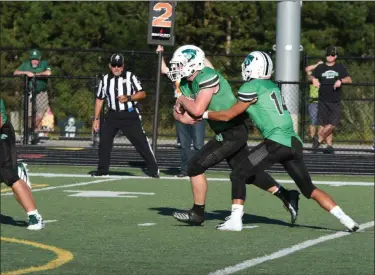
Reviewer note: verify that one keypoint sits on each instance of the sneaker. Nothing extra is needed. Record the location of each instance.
(291, 204)
(23, 173)
(182, 174)
(229, 217)
(188, 216)
(35, 222)
(35, 141)
(232, 223)
(348, 222)
(155, 176)
(152, 172)
(315, 143)
(99, 174)
(329, 150)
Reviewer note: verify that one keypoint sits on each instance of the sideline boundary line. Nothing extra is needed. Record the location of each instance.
(62, 175)
(64, 186)
(286, 251)
(63, 257)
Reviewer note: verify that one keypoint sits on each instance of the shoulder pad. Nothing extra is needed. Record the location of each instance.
(207, 78)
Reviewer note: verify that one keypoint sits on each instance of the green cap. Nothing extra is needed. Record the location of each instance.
(35, 54)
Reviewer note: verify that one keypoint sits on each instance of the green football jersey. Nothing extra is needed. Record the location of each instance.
(269, 113)
(40, 84)
(3, 113)
(222, 100)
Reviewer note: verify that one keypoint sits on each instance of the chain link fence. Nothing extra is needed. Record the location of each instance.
(76, 74)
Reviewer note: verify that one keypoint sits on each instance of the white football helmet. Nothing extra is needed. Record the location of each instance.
(257, 65)
(186, 61)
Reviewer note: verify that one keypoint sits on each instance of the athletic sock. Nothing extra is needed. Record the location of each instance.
(337, 212)
(198, 209)
(278, 188)
(281, 193)
(237, 210)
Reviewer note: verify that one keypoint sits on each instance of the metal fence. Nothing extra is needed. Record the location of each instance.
(71, 93)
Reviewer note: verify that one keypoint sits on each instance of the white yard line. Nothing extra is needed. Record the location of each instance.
(49, 221)
(286, 251)
(54, 175)
(249, 226)
(64, 186)
(146, 224)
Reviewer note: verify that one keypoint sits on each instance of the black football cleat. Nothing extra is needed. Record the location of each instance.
(291, 204)
(188, 216)
(99, 174)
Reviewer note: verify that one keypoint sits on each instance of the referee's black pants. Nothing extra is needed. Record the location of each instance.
(130, 124)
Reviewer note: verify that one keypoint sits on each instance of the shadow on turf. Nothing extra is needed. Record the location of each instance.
(247, 218)
(9, 220)
(115, 173)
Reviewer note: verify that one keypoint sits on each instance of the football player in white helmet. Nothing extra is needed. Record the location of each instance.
(203, 88)
(257, 65)
(261, 100)
(185, 62)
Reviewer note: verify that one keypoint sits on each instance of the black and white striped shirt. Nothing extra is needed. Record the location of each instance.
(110, 87)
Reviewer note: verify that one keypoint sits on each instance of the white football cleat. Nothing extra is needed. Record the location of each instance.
(232, 223)
(351, 225)
(23, 173)
(35, 222)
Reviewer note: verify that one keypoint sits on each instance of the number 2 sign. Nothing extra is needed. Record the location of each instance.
(161, 23)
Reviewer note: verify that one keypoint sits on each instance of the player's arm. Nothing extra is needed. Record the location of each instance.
(198, 106)
(247, 95)
(164, 68)
(229, 114)
(184, 117)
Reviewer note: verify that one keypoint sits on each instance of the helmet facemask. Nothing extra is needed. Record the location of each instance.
(176, 71)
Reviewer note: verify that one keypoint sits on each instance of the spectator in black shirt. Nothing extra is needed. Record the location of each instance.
(329, 77)
(122, 90)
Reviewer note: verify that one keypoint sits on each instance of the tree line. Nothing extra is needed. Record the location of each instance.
(122, 26)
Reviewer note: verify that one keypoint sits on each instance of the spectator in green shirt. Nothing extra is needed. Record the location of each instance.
(33, 68)
(313, 103)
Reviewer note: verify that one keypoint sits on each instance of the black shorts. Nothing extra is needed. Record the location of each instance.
(222, 147)
(329, 113)
(269, 152)
(8, 155)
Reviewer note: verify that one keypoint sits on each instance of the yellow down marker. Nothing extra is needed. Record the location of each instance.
(63, 256)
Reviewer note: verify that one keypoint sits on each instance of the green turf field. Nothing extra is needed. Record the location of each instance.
(124, 226)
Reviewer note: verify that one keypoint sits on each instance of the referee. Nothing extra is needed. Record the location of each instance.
(122, 90)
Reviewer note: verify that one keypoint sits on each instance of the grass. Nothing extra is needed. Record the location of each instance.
(105, 237)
